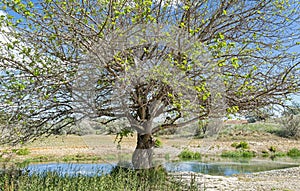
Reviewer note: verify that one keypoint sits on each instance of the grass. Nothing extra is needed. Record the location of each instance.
(158, 143)
(21, 151)
(120, 179)
(189, 155)
(238, 154)
(294, 152)
(241, 145)
(258, 127)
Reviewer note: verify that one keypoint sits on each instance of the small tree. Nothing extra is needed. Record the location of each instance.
(157, 64)
(291, 120)
(292, 109)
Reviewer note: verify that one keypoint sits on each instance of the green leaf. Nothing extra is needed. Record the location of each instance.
(221, 36)
(234, 62)
(30, 4)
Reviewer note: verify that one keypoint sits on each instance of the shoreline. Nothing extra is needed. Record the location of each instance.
(276, 180)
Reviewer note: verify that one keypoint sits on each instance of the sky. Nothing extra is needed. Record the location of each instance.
(296, 98)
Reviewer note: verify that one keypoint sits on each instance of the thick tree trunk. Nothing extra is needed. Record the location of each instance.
(143, 154)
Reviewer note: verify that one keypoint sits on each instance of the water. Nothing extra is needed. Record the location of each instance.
(218, 168)
(226, 168)
(71, 169)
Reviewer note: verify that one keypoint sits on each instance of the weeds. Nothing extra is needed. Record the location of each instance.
(238, 154)
(158, 143)
(294, 152)
(241, 145)
(22, 151)
(119, 180)
(189, 155)
(241, 151)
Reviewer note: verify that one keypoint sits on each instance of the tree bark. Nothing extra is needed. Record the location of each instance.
(143, 154)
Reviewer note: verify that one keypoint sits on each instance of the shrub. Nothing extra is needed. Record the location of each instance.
(241, 145)
(294, 152)
(187, 154)
(273, 153)
(201, 129)
(265, 154)
(279, 154)
(158, 143)
(273, 149)
(291, 126)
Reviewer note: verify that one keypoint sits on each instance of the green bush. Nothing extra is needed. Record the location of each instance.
(273, 149)
(187, 154)
(158, 143)
(265, 154)
(241, 145)
(294, 152)
(279, 154)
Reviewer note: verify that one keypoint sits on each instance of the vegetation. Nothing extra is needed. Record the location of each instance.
(238, 154)
(189, 155)
(294, 152)
(158, 143)
(272, 149)
(290, 126)
(241, 152)
(241, 145)
(119, 180)
(21, 151)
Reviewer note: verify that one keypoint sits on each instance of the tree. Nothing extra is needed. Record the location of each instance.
(158, 64)
(292, 109)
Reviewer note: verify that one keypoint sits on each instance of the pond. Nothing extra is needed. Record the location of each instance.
(227, 168)
(211, 168)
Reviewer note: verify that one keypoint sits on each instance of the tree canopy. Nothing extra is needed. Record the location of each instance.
(158, 64)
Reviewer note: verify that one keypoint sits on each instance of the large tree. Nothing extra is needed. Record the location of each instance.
(158, 64)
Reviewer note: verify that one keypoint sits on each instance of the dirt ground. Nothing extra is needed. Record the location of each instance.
(106, 146)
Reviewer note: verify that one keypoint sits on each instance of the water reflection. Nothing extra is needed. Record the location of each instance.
(70, 169)
(217, 168)
(225, 169)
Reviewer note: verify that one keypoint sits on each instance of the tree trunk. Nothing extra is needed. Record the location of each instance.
(143, 154)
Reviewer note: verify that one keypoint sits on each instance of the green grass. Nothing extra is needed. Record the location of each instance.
(258, 127)
(158, 143)
(241, 145)
(252, 127)
(294, 152)
(21, 151)
(189, 155)
(238, 154)
(119, 180)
